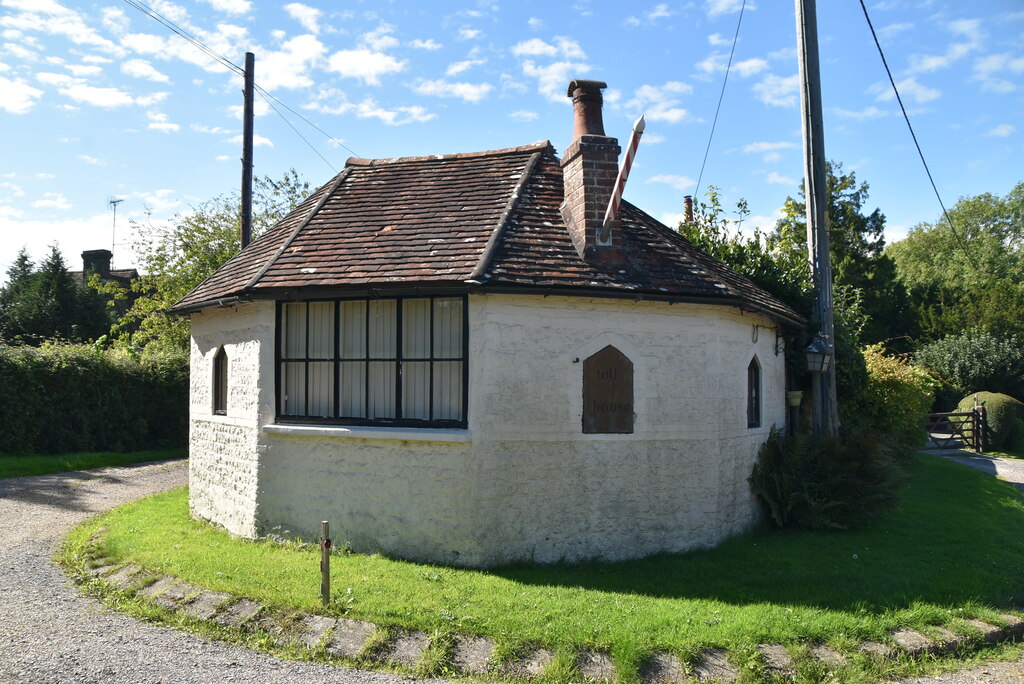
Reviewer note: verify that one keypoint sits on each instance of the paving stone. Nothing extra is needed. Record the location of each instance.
(126, 577)
(1014, 625)
(530, 665)
(156, 588)
(349, 638)
(912, 642)
(596, 666)
(947, 641)
(713, 666)
(238, 613)
(829, 656)
(472, 655)
(876, 650)
(989, 634)
(101, 568)
(176, 594)
(205, 606)
(662, 668)
(407, 648)
(777, 659)
(312, 629)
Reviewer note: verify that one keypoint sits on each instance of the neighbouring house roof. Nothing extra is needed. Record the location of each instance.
(489, 220)
(124, 276)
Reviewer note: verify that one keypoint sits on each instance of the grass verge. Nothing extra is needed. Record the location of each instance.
(951, 549)
(20, 465)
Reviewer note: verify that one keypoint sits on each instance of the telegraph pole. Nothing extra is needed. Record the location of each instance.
(247, 126)
(823, 391)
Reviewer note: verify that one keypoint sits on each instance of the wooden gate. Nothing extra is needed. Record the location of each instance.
(963, 429)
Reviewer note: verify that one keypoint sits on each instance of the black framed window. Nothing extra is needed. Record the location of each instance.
(754, 394)
(374, 361)
(220, 382)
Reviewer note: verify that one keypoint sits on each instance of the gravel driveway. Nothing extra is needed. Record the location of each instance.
(50, 633)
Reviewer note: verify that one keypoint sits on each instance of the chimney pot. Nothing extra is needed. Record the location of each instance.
(586, 104)
(688, 208)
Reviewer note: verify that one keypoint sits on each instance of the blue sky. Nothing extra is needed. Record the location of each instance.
(98, 100)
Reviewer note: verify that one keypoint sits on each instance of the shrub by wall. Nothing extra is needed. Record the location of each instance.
(1004, 415)
(62, 398)
(896, 400)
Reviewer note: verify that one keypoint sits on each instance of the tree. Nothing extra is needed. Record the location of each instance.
(856, 246)
(177, 256)
(45, 304)
(970, 274)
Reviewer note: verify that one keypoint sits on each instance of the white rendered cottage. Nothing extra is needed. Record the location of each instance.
(434, 354)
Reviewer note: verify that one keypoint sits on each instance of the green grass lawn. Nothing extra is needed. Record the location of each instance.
(18, 465)
(952, 548)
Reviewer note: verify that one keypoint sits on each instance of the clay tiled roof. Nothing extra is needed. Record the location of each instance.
(490, 218)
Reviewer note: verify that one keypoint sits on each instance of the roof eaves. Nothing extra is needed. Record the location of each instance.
(302, 224)
(499, 230)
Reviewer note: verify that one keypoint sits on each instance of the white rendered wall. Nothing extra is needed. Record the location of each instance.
(224, 450)
(524, 482)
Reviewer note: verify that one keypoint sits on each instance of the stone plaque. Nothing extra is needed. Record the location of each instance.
(608, 393)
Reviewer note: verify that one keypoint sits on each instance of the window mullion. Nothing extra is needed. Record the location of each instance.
(399, 332)
(305, 364)
(430, 386)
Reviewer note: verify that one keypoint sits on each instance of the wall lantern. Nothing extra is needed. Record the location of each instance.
(819, 355)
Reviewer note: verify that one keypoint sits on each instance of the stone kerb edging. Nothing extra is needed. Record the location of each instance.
(366, 644)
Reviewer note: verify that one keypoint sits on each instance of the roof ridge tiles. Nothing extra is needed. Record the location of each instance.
(532, 147)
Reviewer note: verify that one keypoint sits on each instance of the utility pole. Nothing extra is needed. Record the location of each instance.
(823, 394)
(247, 125)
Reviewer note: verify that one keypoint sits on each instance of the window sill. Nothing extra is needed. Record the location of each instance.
(368, 432)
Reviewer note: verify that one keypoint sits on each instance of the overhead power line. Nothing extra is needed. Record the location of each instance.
(721, 95)
(920, 153)
(227, 63)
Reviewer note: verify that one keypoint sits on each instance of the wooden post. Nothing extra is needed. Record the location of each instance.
(247, 135)
(325, 562)
(826, 417)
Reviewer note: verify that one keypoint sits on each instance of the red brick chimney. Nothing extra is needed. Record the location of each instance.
(589, 168)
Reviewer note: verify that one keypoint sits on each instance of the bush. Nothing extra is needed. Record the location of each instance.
(1003, 413)
(896, 401)
(832, 483)
(63, 398)
(975, 361)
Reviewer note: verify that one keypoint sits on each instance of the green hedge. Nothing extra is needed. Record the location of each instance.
(1004, 415)
(62, 398)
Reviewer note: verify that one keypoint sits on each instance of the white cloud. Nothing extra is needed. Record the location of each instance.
(456, 68)
(215, 130)
(259, 108)
(776, 178)
(43, 175)
(718, 40)
(469, 34)
(308, 17)
(140, 68)
(660, 11)
(970, 29)
(366, 65)
(681, 183)
(151, 99)
(909, 88)
(17, 96)
(257, 141)
(162, 201)
(115, 20)
(50, 18)
(658, 103)
(84, 70)
(770, 151)
(289, 67)
(429, 44)
(13, 189)
(778, 91)
(470, 92)
(894, 29)
(535, 47)
(719, 62)
(524, 115)
(991, 71)
(91, 160)
(1001, 131)
(552, 79)
(52, 200)
(380, 38)
(652, 139)
(535, 23)
(399, 116)
(717, 7)
(158, 122)
(230, 6)
(109, 98)
(867, 113)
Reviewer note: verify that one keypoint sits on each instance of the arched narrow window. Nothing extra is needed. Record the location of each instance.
(220, 383)
(754, 394)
